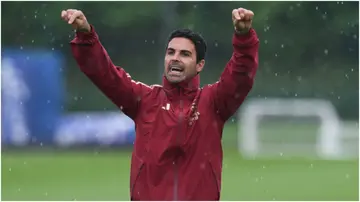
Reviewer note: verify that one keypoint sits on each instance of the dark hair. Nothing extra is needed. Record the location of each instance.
(196, 38)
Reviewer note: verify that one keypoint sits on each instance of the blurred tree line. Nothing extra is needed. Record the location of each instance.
(307, 49)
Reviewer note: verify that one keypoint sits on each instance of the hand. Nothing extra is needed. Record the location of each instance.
(242, 20)
(77, 19)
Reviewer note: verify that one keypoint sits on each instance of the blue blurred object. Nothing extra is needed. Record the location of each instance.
(95, 128)
(32, 105)
(32, 95)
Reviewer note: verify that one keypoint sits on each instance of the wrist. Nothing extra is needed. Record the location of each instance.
(84, 29)
(241, 31)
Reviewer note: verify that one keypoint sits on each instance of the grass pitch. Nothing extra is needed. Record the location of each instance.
(104, 175)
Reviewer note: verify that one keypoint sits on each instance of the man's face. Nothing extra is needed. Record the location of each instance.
(180, 60)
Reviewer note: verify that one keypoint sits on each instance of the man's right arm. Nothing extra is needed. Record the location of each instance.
(113, 81)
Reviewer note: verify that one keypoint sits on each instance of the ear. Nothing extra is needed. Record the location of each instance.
(200, 65)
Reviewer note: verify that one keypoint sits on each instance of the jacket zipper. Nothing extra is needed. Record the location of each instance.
(176, 177)
(137, 176)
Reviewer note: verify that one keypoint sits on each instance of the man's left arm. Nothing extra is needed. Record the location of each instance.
(237, 79)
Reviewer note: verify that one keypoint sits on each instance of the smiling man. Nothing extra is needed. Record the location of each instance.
(177, 153)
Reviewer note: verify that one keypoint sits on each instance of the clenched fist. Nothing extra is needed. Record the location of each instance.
(242, 19)
(77, 19)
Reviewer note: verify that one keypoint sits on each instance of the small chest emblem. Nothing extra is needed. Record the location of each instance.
(167, 107)
(194, 114)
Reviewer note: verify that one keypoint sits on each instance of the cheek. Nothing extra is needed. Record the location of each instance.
(166, 62)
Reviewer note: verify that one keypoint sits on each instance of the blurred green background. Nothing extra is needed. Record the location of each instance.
(307, 50)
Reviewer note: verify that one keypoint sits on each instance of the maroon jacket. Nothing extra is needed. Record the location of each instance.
(177, 153)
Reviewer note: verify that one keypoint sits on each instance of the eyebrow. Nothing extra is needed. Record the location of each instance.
(183, 51)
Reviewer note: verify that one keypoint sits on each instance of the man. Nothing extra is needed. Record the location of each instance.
(177, 153)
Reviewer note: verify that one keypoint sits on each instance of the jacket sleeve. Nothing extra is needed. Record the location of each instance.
(112, 80)
(237, 79)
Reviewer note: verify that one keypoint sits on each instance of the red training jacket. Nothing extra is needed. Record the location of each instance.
(177, 153)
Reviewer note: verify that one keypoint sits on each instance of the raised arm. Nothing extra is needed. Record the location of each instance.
(237, 79)
(96, 64)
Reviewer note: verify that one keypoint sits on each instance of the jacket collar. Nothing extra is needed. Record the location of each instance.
(186, 89)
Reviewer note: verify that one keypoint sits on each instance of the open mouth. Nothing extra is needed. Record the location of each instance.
(175, 69)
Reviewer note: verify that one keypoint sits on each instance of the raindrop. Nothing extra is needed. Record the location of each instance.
(27, 58)
(352, 70)
(61, 45)
(44, 27)
(299, 78)
(45, 15)
(347, 76)
(291, 8)
(296, 94)
(41, 144)
(355, 36)
(25, 163)
(121, 108)
(233, 120)
(9, 169)
(276, 74)
(265, 41)
(338, 97)
(145, 41)
(263, 167)
(19, 189)
(317, 8)
(53, 49)
(21, 47)
(45, 193)
(35, 16)
(48, 101)
(153, 41)
(281, 154)
(195, 6)
(282, 46)
(32, 41)
(326, 51)
(256, 179)
(76, 98)
(216, 44)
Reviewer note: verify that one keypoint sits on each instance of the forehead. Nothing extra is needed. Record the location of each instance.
(181, 44)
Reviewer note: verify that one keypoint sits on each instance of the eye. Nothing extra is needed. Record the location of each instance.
(185, 54)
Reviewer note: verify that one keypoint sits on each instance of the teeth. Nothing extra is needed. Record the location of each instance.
(175, 69)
